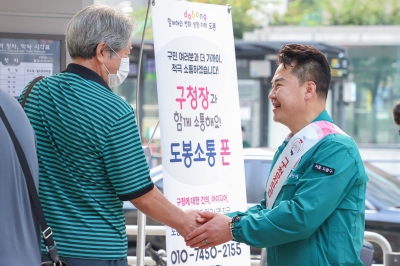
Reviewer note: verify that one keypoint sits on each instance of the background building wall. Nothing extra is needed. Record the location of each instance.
(39, 16)
(374, 62)
(334, 35)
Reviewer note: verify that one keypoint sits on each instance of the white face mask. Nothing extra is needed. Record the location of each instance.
(116, 79)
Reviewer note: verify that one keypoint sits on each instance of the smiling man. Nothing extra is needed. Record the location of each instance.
(313, 207)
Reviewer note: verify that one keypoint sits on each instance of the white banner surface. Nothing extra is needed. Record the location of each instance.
(200, 121)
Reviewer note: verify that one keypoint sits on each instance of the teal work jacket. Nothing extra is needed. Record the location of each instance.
(317, 218)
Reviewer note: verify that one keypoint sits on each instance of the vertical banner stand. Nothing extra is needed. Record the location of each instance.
(198, 104)
(141, 220)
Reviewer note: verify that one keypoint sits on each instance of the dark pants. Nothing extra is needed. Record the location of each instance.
(88, 262)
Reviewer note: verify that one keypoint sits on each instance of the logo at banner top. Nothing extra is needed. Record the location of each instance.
(195, 15)
(297, 146)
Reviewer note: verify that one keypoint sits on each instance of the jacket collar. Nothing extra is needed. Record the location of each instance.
(324, 116)
(86, 73)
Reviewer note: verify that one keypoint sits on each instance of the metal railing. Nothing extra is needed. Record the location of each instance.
(160, 230)
(155, 231)
(381, 241)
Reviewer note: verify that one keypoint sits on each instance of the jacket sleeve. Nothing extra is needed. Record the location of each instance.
(251, 211)
(315, 198)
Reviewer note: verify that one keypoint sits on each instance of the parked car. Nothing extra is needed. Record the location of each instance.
(382, 201)
(382, 209)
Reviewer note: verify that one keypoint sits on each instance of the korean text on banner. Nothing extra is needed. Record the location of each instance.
(200, 121)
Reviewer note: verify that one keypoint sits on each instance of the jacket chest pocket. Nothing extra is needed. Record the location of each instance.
(289, 187)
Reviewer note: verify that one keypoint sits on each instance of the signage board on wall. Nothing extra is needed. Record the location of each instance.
(24, 57)
(200, 121)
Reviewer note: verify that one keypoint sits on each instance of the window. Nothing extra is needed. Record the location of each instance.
(256, 172)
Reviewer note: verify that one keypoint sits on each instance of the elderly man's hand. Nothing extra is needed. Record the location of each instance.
(214, 232)
(190, 222)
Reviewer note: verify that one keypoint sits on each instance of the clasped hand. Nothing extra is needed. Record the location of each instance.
(211, 229)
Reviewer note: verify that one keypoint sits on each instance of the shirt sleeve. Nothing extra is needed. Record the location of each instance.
(125, 161)
(316, 197)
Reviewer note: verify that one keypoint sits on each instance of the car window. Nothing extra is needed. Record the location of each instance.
(383, 190)
(256, 172)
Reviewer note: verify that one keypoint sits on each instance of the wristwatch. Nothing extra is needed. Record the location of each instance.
(236, 219)
(232, 222)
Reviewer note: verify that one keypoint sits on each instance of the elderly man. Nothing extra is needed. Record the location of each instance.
(313, 209)
(89, 150)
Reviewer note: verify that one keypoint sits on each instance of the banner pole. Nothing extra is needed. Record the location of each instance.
(141, 221)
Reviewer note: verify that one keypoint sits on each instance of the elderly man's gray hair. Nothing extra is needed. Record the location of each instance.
(95, 24)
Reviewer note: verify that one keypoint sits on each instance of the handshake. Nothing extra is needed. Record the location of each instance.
(204, 229)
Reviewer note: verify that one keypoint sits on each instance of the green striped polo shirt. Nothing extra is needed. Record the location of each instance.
(90, 160)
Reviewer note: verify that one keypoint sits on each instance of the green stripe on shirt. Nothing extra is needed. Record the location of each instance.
(89, 155)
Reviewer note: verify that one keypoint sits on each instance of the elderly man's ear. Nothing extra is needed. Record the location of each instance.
(100, 54)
